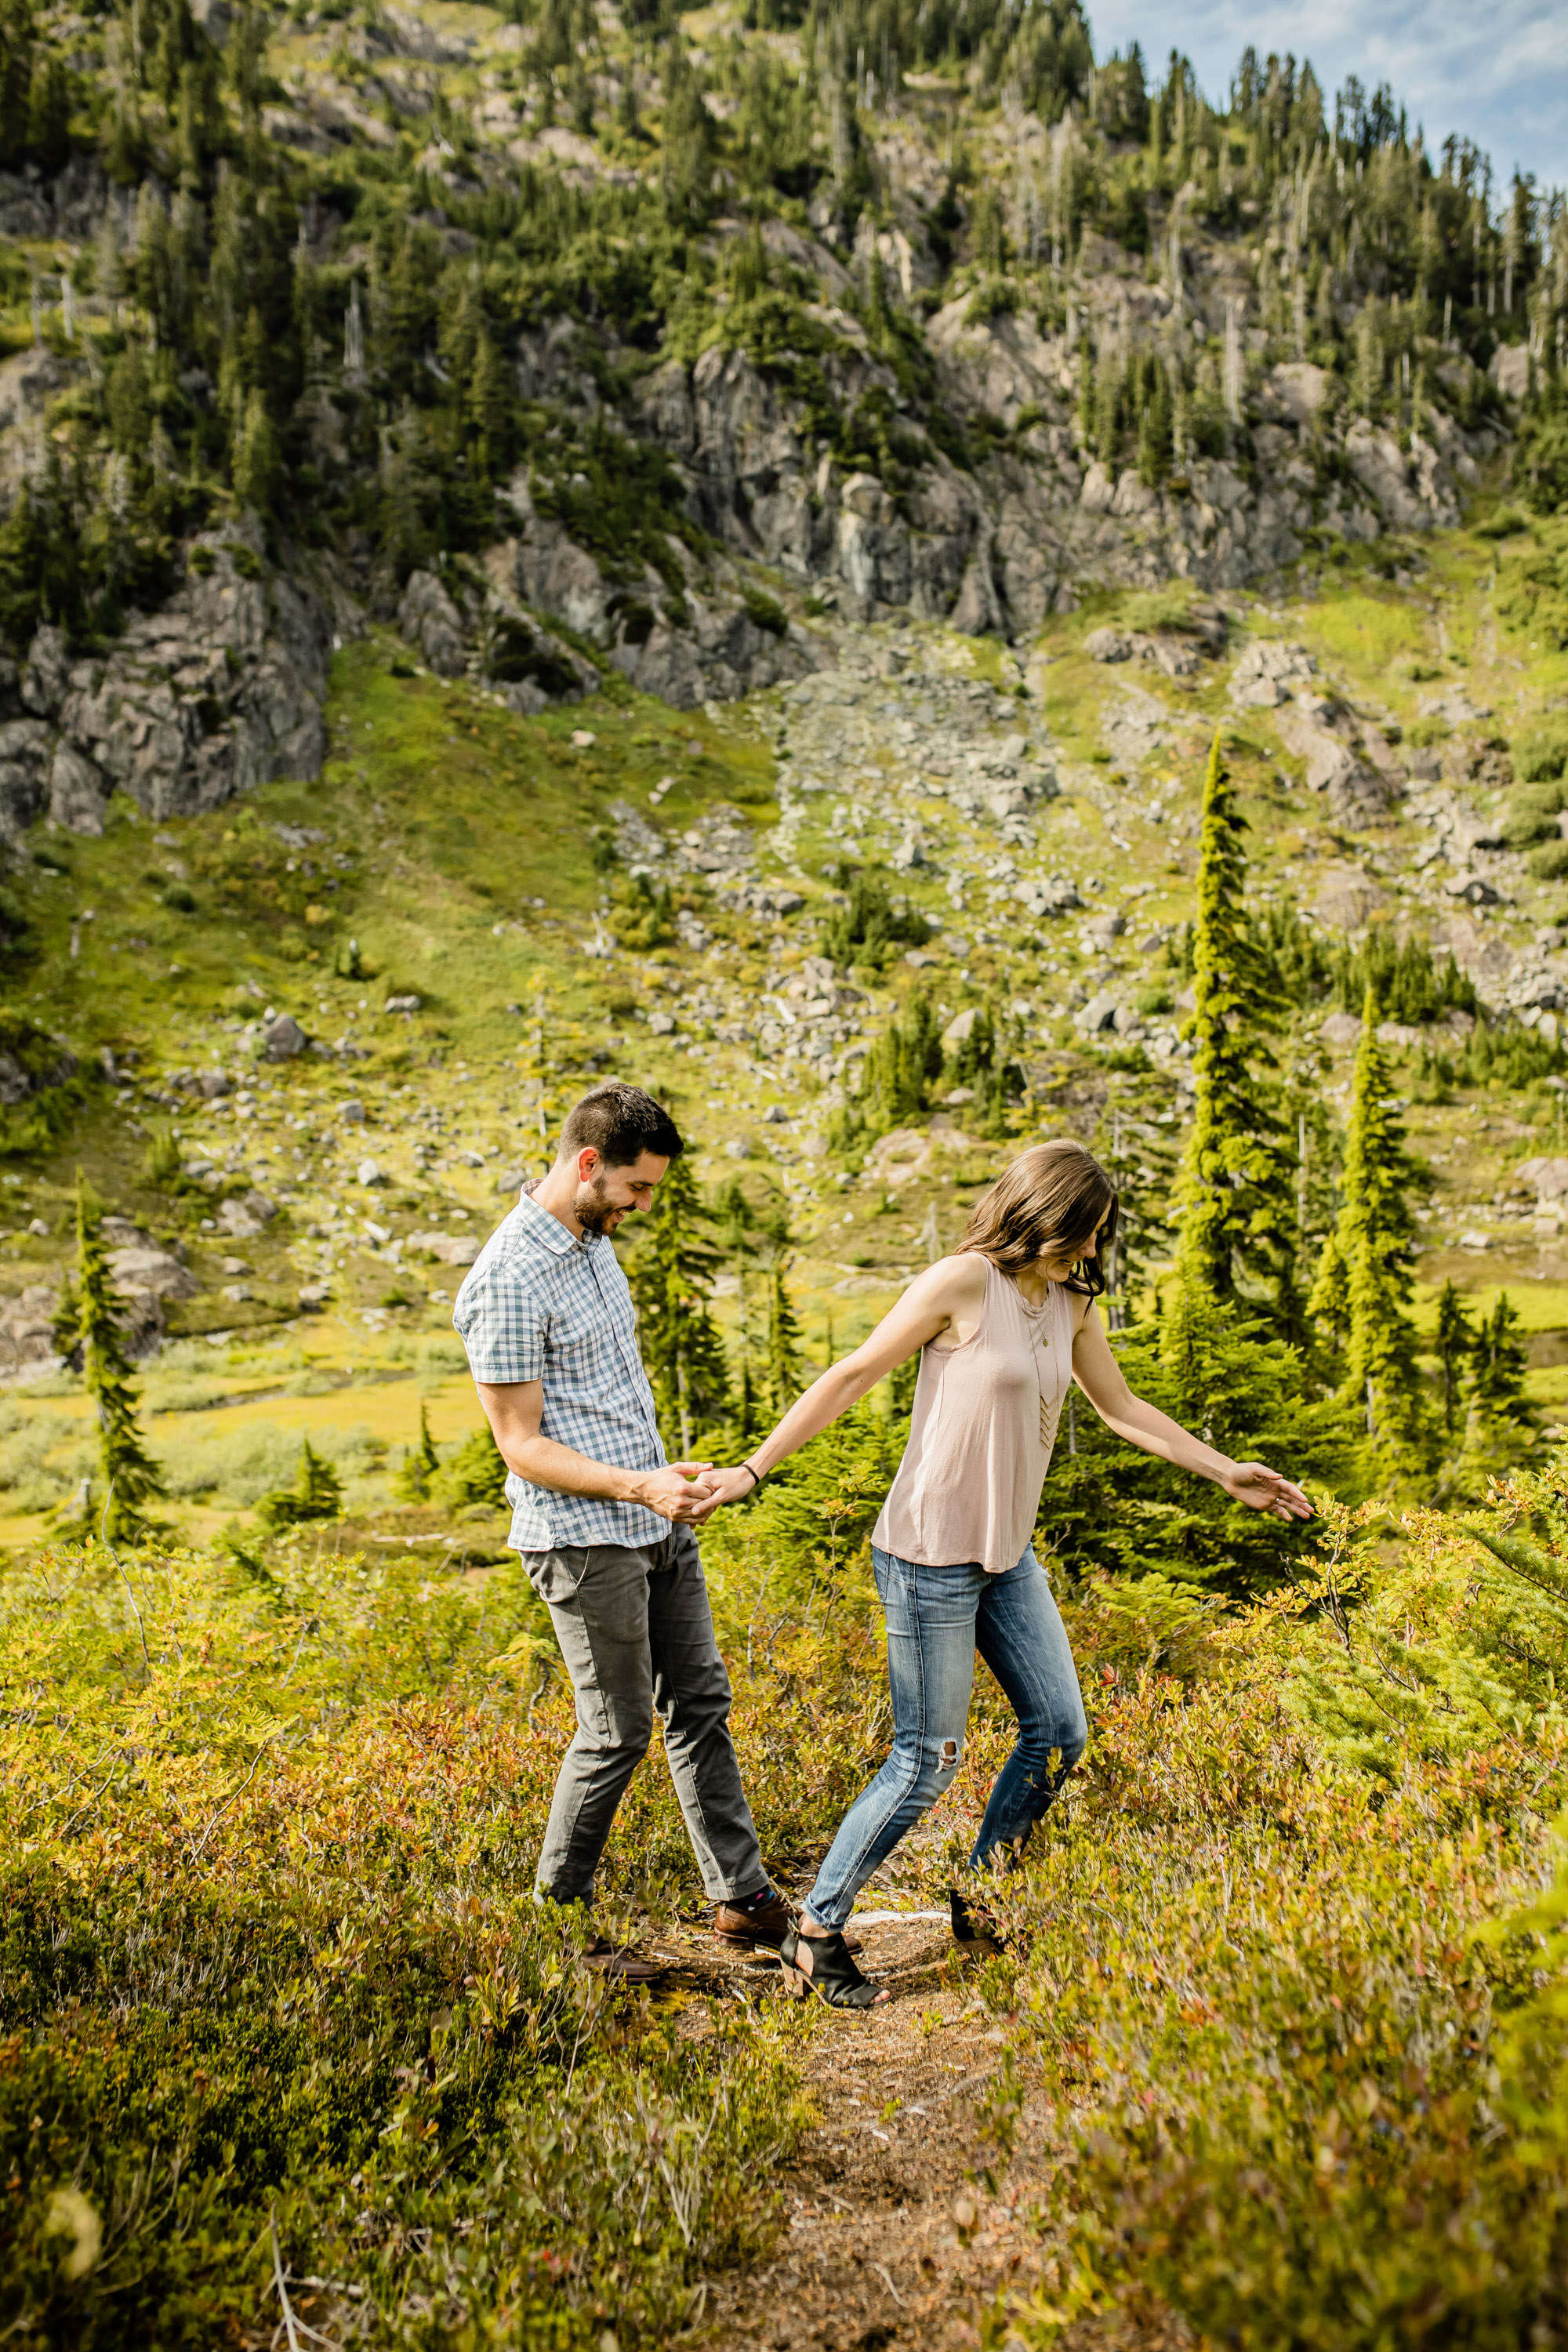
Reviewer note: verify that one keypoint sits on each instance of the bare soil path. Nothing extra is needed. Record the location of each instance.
(891, 2242)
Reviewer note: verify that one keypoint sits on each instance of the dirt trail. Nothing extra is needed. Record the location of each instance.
(888, 2244)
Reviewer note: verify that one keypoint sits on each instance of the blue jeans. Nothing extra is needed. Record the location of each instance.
(937, 1618)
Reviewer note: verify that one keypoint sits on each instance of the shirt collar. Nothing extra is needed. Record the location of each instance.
(548, 1229)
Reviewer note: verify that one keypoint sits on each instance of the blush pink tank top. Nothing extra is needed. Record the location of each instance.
(980, 1434)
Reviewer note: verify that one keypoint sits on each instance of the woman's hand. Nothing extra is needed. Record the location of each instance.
(730, 1485)
(1262, 1489)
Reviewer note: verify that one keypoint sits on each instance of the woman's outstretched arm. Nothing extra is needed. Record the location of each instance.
(949, 1296)
(1100, 1378)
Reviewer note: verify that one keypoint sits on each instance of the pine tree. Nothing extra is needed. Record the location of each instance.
(256, 456)
(131, 1477)
(317, 1494)
(490, 407)
(1237, 1206)
(1329, 1301)
(672, 1280)
(783, 1341)
(1500, 1363)
(1455, 1340)
(1214, 1368)
(65, 1327)
(418, 1467)
(904, 1062)
(1375, 1236)
(737, 1224)
(476, 1473)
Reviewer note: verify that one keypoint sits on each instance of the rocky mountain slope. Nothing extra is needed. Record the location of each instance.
(317, 319)
(353, 1009)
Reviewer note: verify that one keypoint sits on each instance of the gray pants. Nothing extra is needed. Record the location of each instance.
(636, 1633)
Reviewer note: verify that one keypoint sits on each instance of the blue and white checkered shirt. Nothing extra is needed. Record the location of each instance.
(537, 1305)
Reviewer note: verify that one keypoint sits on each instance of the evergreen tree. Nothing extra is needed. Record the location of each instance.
(1328, 1300)
(317, 1494)
(1501, 1362)
(672, 1280)
(903, 1063)
(65, 1329)
(783, 1363)
(1237, 1206)
(131, 1477)
(476, 1473)
(490, 407)
(256, 456)
(418, 1467)
(1456, 1344)
(982, 1063)
(736, 1224)
(1374, 1237)
(1213, 1368)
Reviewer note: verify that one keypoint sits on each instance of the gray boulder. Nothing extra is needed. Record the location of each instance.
(427, 617)
(78, 793)
(45, 673)
(25, 745)
(283, 1038)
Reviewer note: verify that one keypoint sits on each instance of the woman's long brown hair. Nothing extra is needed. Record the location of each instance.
(1053, 1201)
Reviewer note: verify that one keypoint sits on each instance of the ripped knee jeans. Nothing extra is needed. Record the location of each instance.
(937, 1618)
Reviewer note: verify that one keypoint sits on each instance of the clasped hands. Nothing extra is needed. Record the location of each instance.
(687, 1493)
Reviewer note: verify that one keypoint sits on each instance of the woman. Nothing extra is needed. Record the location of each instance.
(1002, 1328)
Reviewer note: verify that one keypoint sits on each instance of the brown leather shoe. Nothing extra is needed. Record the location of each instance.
(764, 1923)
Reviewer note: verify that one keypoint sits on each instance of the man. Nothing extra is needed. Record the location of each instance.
(605, 1525)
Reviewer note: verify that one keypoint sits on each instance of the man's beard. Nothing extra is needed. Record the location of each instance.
(596, 1213)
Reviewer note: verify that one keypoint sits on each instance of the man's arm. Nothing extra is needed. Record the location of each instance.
(514, 1412)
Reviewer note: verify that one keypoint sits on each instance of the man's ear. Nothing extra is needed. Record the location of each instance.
(588, 1164)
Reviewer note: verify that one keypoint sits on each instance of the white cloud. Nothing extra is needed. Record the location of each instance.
(1497, 75)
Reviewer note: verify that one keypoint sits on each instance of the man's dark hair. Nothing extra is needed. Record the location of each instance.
(620, 1123)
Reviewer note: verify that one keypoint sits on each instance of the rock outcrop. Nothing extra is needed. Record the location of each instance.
(222, 690)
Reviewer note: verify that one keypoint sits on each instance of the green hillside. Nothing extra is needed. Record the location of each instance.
(480, 870)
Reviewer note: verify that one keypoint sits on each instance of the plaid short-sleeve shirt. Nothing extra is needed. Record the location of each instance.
(537, 1305)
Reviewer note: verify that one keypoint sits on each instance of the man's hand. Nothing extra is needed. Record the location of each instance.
(1262, 1489)
(680, 1492)
(731, 1486)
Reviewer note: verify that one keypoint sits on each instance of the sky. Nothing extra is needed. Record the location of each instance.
(1497, 73)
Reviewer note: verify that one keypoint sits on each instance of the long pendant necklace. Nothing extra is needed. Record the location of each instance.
(1033, 1316)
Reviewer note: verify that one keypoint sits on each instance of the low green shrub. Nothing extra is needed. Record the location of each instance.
(474, 1474)
(765, 611)
(1542, 756)
(1293, 1999)
(270, 1961)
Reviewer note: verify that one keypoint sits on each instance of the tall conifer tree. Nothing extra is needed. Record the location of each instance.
(412, 1477)
(131, 1477)
(1328, 1300)
(1455, 1341)
(784, 1342)
(672, 1278)
(1502, 1360)
(1237, 1207)
(1375, 1236)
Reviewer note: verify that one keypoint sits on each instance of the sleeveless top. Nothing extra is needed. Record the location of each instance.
(980, 1434)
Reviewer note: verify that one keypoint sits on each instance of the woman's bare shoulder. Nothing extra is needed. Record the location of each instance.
(958, 1280)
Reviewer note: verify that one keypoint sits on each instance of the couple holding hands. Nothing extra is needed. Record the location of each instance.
(606, 1527)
